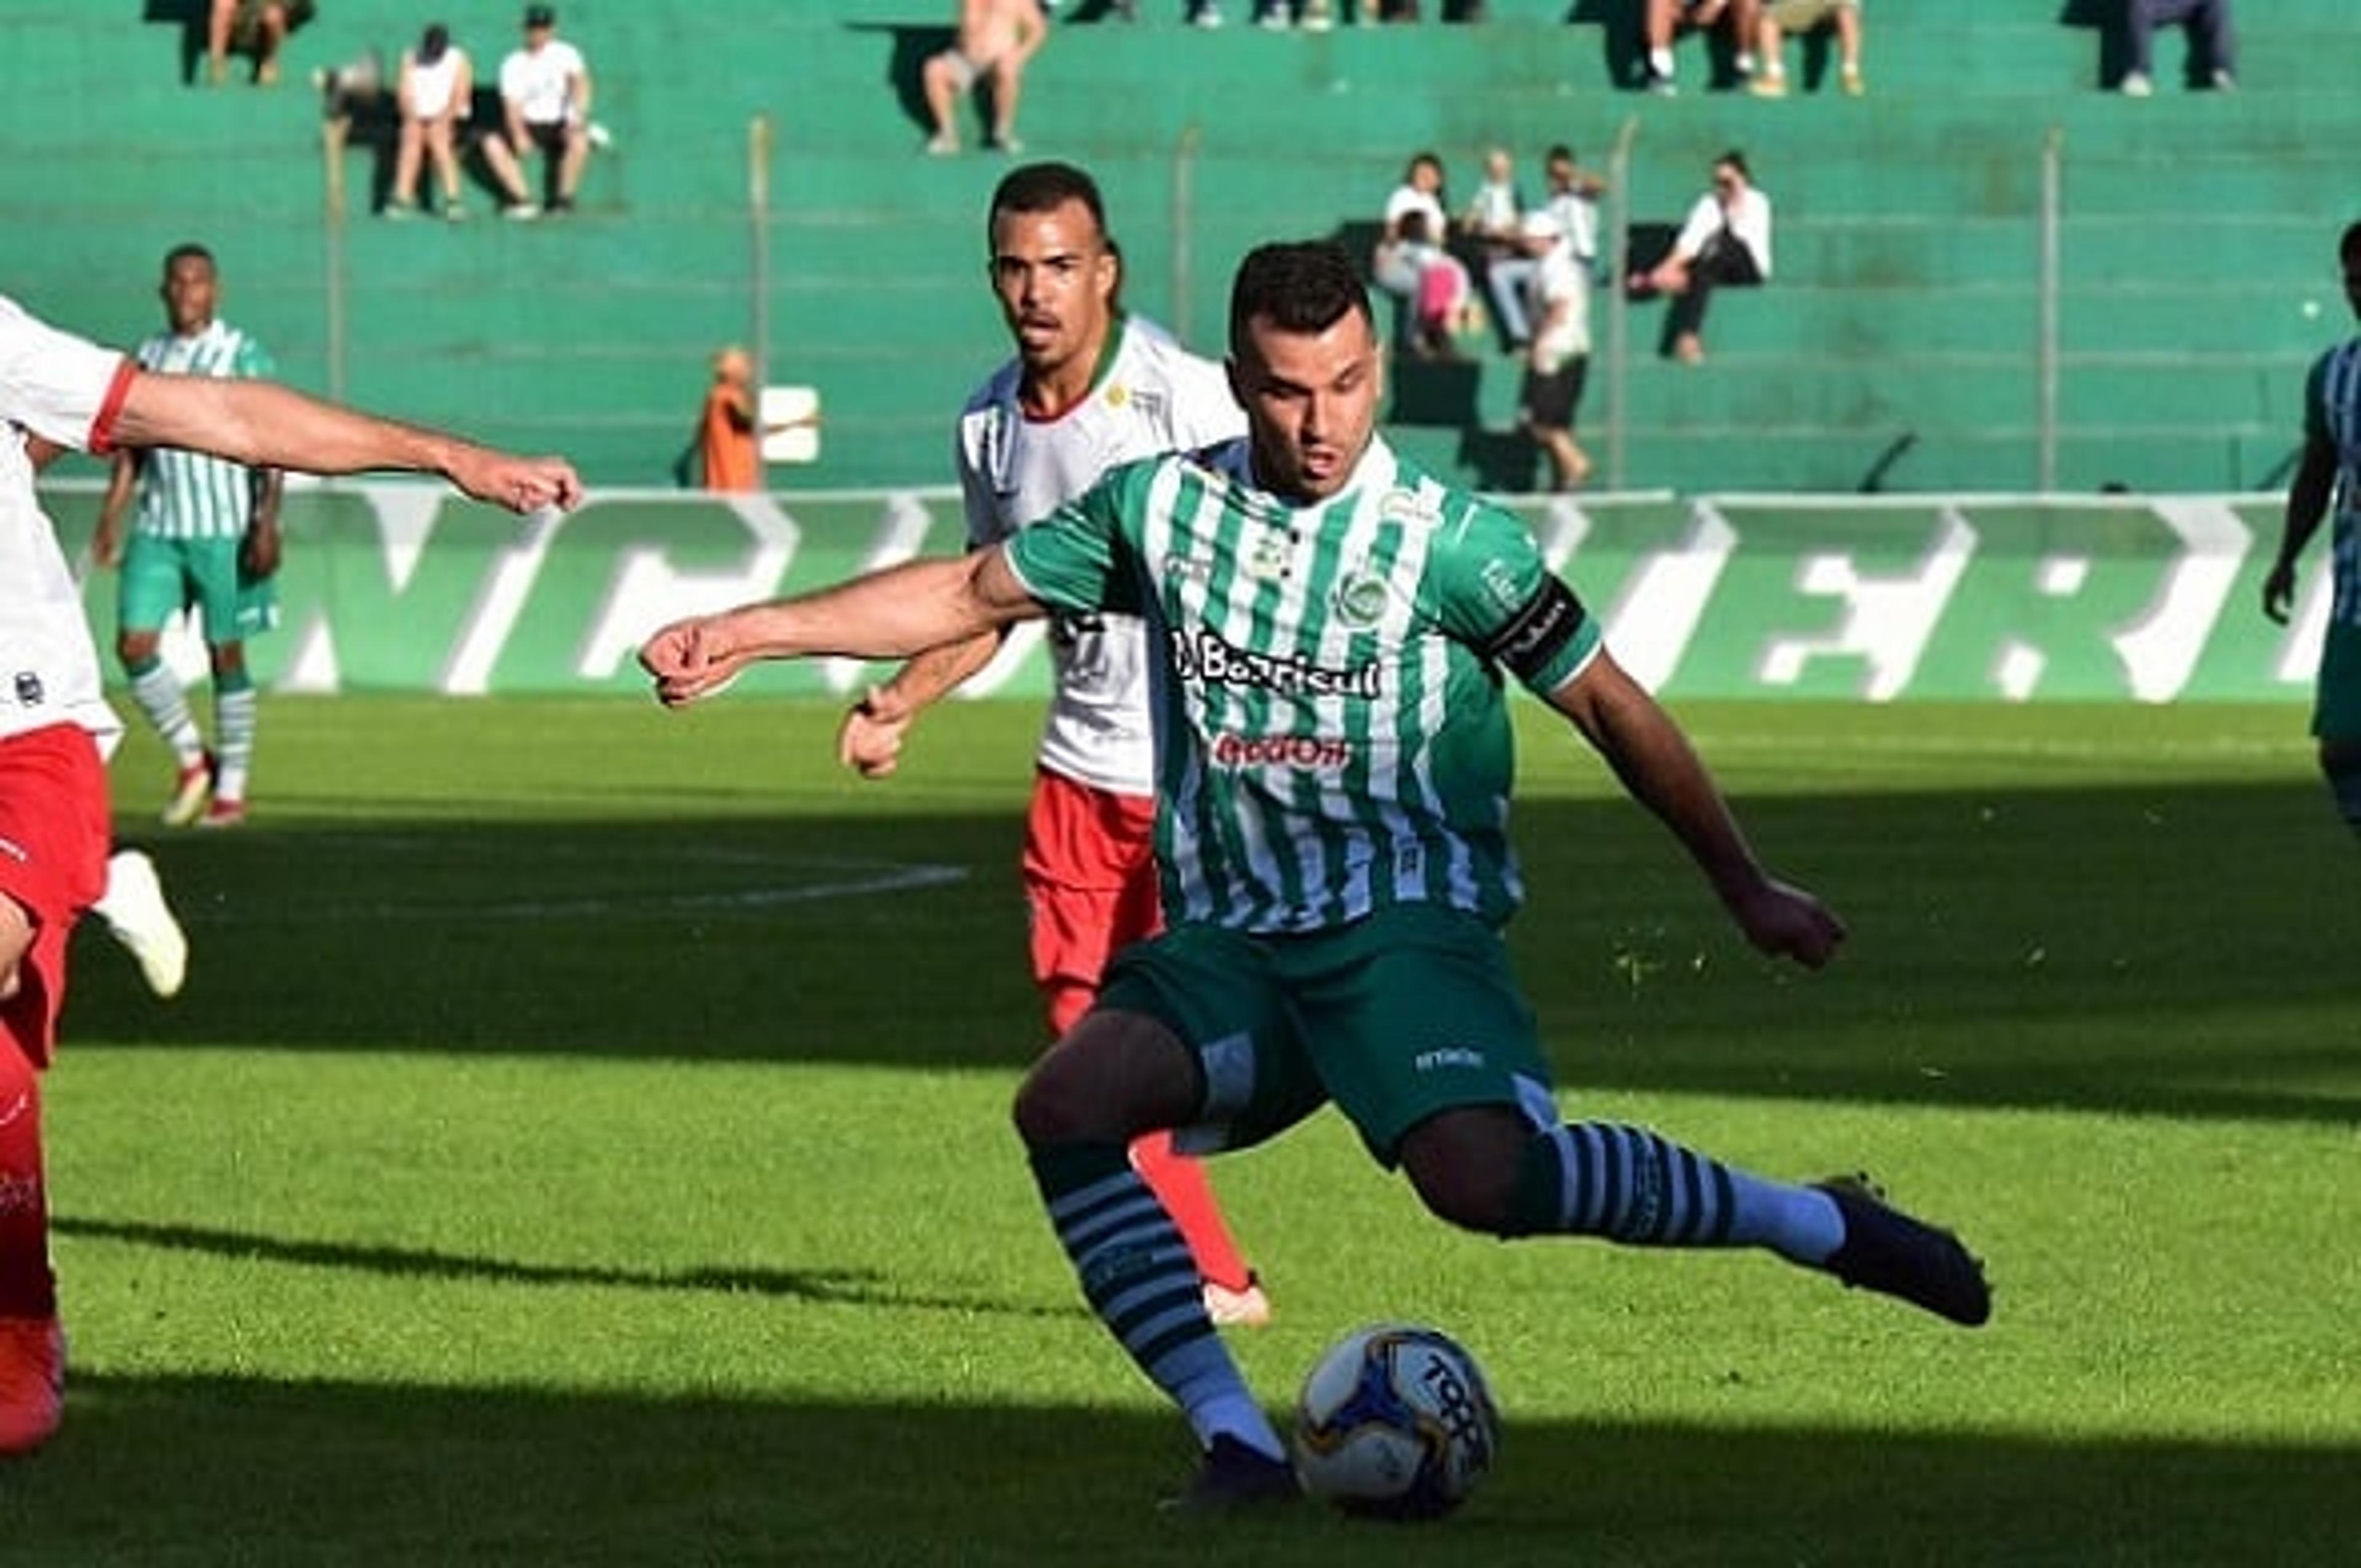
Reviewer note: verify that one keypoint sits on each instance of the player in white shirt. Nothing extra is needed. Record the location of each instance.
(545, 103)
(57, 391)
(1089, 388)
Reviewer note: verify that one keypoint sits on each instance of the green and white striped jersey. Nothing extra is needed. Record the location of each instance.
(189, 495)
(2332, 413)
(1332, 735)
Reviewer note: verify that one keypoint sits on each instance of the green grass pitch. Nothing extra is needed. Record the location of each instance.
(584, 1140)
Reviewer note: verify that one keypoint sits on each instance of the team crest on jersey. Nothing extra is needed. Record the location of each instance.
(1360, 599)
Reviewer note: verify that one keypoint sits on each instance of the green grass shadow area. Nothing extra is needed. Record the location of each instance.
(203, 1470)
(2152, 947)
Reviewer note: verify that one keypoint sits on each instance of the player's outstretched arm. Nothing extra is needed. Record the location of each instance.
(893, 614)
(1662, 771)
(869, 741)
(263, 423)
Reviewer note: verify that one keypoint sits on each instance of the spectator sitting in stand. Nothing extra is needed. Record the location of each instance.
(2212, 41)
(1662, 20)
(545, 103)
(1780, 18)
(1392, 267)
(1725, 243)
(255, 29)
(1492, 221)
(996, 38)
(434, 88)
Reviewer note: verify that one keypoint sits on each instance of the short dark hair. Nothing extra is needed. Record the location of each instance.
(1042, 188)
(192, 251)
(1737, 160)
(2348, 250)
(1559, 152)
(1305, 286)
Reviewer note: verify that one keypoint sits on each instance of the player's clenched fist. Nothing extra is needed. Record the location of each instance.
(689, 659)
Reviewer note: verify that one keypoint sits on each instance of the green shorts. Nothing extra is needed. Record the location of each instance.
(1396, 1017)
(160, 575)
(2336, 704)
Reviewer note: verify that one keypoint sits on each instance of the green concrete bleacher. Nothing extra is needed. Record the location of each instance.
(1899, 342)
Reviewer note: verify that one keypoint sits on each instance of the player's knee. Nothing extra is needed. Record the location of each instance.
(1464, 1166)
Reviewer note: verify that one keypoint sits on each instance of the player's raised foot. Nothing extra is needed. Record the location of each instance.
(135, 914)
(32, 1383)
(1234, 1475)
(1245, 1307)
(189, 790)
(224, 813)
(1886, 1251)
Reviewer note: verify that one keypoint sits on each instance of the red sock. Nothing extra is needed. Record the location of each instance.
(27, 1289)
(1180, 1183)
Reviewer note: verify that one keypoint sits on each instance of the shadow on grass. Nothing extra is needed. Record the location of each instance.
(862, 1287)
(2181, 950)
(224, 1470)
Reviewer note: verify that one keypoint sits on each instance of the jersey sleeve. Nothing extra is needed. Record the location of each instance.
(1493, 591)
(1080, 557)
(975, 486)
(62, 387)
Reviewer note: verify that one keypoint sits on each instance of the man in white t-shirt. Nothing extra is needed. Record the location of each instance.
(1089, 389)
(545, 103)
(57, 391)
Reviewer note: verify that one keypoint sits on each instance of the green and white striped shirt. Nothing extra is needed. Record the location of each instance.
(1332, 735)
(2332, 413)
(189, 495)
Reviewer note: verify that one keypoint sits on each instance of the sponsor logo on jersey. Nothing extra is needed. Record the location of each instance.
(1270, 554)
(1205, 655)
(1313, 754)
(30, 690)
(1406, 506)
(1443, 1058)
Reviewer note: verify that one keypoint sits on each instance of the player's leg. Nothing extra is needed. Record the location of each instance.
(443, 152)
(218, 28)
(1427, 1044)
(53, 808)
(151, 587)
(2139, 48)
(236, 717)
(1131, 1067)
(235, 607)
(1090, 890)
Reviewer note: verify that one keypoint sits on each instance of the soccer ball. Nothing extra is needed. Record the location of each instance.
(1394, 1422)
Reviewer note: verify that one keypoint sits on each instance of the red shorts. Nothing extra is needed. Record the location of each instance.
(54, 838)
(1090, 878)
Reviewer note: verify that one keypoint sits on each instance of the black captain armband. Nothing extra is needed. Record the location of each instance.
(1538, 633)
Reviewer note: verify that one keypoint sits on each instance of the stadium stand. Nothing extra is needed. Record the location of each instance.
(1898, 346)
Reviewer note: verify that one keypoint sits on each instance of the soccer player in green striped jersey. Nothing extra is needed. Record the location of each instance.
(204, 538)
(2331, 471)
(1333, 752)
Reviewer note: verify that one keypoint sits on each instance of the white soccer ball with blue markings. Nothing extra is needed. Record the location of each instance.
(1395, 1421)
